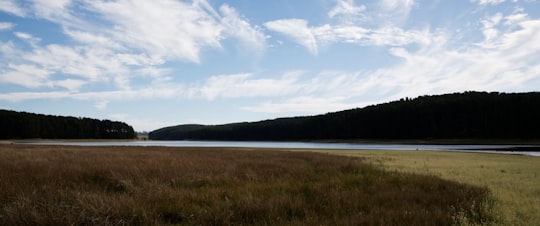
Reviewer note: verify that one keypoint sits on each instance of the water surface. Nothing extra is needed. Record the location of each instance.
(531, 150)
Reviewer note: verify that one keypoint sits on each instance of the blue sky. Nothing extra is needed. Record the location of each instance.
(167, 62)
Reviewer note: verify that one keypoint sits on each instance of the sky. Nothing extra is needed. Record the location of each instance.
(157, 63)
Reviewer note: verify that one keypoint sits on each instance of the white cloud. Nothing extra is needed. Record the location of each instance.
(244, 86)
(68, 67)
(489, 2)
(174, 29)
(515, 18)
(8, 51)
(437, 67)
(490, 30)
(312, 37)
(393, 12)
(101, 105)
(70, 84)
(93, 39)
(160, 91)
(395, 36)
(506, 65)
(91, 64)
(298, 30)
(23, 35)
(235, 26)
(119, 116)
(6, 26)
(23, 96)
(66, 13)
(136, 94)
(11, 6)
(220, 86)
(117, 41)
(390, 5)
(348, 10)
(28, 37)
(306, 104)
(51, 8)
(521, 45)
(348, 34)
(159, 74)
(509, 63)
(353, 29)
(171, 29)
(25, 75)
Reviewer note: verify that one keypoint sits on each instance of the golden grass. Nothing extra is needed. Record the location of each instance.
(63, 185)
(513, 179)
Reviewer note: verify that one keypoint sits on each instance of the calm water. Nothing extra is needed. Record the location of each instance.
(315, 145)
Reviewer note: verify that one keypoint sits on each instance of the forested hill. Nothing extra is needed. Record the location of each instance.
(22, 125)
(469, 115)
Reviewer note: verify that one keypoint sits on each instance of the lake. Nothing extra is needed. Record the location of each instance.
(530, 150)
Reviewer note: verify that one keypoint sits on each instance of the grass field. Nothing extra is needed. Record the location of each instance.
(514, 180)
(64, 185)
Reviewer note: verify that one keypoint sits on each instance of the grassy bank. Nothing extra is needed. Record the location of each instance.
(514, 180)
(62, 185)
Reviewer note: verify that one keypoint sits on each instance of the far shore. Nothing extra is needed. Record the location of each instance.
(514, 147)
(437, 141)
(39, 140)
(353, 141)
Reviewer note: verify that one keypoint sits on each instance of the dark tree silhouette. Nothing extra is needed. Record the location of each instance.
(468, 115)
(21, 125)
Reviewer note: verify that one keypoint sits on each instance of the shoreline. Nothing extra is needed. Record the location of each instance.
(505, 149)
(531, 142)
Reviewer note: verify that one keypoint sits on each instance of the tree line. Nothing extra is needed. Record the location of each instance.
(468, 115)
(23, 125)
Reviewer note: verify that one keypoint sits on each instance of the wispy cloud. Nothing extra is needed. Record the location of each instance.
(505, 60)
(93, 39)
(298, 30)
(393, 12)
(171, 29)
(313, 37)
(175, 29)
(101, 104)
(508, 63)
(121, 41)
(11, 6)
(30, 39)
(244, 86)
(488, 2)
(25, 75)
(23, 96)
(352, 29)
(52, 10)
(6, 26)
(304, 104)
(251, 37)
(347, 11)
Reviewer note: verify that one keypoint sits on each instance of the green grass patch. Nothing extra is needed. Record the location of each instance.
(63, 185)
(514, 180)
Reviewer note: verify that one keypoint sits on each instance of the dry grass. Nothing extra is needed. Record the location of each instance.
(514, 180)
(62, 185)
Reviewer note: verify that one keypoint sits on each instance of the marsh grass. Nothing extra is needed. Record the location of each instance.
(514, 180)
(62, 185)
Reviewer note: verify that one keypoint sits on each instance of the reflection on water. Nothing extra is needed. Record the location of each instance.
(506, 149)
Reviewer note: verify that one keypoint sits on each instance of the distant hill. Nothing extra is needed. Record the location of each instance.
(23, 125)
(468, 115)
